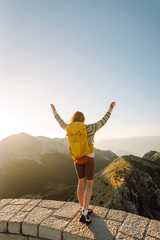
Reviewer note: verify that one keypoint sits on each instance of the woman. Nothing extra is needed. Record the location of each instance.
(87, 169)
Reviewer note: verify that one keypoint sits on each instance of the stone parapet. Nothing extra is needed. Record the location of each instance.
(36, 219)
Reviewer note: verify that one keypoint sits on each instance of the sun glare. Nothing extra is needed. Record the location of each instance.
(8, 124)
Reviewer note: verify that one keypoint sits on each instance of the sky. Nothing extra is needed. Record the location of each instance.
(80, 55)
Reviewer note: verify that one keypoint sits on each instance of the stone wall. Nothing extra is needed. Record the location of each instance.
(35, 219)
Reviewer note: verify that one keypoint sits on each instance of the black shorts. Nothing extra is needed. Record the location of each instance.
(85, 170)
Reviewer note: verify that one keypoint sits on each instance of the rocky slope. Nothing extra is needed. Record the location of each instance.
(131, 184)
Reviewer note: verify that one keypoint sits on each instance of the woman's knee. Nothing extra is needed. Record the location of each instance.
(89, 182)
(81, 181)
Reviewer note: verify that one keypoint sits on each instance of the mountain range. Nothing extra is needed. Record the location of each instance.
(137, 146)
(41, 167)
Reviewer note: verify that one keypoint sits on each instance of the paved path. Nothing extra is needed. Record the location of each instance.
(35, 219)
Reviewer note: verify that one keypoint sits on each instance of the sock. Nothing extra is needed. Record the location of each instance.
(81, 207)
(84, 211)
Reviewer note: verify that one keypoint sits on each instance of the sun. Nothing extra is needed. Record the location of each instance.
(8, 123)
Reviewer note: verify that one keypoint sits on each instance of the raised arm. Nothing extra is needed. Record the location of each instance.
(103, 121)
(58, 118)
(94, 127)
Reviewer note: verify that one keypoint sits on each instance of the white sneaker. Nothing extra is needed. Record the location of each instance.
(85, 219)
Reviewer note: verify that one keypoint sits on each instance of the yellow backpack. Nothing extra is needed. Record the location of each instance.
(78, 141)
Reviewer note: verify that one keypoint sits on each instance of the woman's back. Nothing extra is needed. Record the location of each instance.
(90, 128)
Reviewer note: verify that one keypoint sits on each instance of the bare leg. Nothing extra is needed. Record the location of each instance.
(88, 193)
(80, 190)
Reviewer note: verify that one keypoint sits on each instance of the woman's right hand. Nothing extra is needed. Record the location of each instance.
(53, 107)
(112, 105)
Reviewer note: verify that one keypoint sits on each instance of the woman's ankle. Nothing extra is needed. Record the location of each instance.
(84, 211)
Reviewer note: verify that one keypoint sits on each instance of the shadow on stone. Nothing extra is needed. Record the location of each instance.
(103, 228)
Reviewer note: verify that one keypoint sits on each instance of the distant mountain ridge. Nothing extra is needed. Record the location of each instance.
(25, 146)
(132, 145)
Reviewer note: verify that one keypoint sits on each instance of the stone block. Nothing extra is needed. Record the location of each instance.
(34, 202)
(121, 236)
(68, 210)
(27, 208)
(134, 226)
(52, 227)
(4, 236)
(99, 228)
(33, 238)
(20, 201)
(100, 212)
(11, 208)
(153, 229)
(34, 218)
(117, 215)
(29, 229)
(150, 238)
(3, 226)
(14, 227)
(51, 204)
(4, 202)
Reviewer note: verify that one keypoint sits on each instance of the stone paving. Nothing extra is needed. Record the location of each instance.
(36, 219)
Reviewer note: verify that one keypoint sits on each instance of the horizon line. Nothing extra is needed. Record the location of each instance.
(62, 137)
